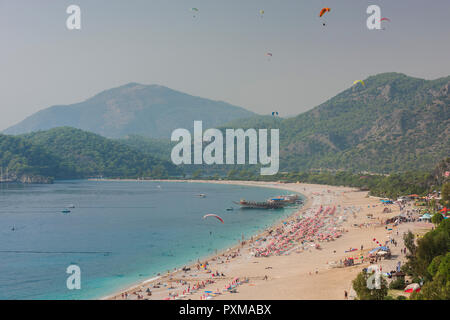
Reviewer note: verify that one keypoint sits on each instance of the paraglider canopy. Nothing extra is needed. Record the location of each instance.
(385, 19)
(194, 10)
(213, 215)
(359, 81)
(323, 11)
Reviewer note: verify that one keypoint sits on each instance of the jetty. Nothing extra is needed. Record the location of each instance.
(269, 204)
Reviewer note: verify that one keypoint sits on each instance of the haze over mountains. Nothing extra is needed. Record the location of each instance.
(147, 110)
(392, 123)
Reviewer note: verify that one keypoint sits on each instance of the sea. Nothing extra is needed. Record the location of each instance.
(118, 234)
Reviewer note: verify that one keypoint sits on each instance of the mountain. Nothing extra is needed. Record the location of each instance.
(147, 110)
(392, 123)
(22, 161)
(160, 147)
(91, 155)
(68, 153)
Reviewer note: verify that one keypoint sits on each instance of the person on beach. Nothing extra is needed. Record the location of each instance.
(345, 295)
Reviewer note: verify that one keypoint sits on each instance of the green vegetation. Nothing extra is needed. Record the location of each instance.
(398, 284)
(160, 147)
(92, 155)
(360, 285)
(445, 194)
(437, 218)
(429, 261)
(68, 153)
(395, 123)
(21, 160)
(390, 186)
(383, 137)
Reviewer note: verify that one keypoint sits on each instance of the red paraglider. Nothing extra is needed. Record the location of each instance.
(213, 215)
(385, 19)
(323, 11)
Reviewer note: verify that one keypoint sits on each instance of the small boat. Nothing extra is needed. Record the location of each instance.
(201, 195)
(230, 209)
(71, 206)
(65, 211)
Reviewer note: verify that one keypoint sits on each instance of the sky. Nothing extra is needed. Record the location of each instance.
(219, 54)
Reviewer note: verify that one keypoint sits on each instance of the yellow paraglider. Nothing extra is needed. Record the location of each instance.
(359, 81)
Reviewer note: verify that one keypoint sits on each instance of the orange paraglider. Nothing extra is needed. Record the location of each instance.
(323, 11)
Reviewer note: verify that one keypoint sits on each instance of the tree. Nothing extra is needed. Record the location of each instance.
(431, 263)
(445, 195)
(437, 218)
(408, 239)
(439, 287)
(197, 174)
(361, 287)
(232, 174)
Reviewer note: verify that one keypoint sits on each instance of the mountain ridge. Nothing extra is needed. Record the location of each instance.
(148, 110)
(69, 153)
(392, 123)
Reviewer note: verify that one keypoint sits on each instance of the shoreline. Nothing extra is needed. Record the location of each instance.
(162, 275)
(301, 274)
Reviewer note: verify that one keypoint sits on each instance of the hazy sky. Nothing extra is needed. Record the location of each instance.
(220, 54)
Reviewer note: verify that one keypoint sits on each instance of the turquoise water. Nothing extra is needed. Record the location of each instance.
(119, 234)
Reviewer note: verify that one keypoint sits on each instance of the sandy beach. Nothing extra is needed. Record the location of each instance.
(299, 258)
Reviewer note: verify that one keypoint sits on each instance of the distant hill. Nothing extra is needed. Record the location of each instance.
(23, 161)
(160, 147)
(91, 155)
(147, 110)
(68, 153)
(393, 123)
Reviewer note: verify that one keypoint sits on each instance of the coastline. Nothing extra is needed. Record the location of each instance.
(162, 275)
(305, 275)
